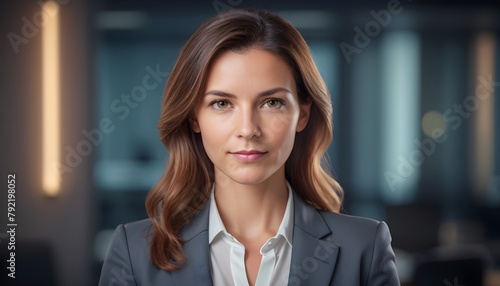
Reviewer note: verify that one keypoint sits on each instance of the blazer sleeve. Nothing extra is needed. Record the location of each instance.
(383, 268)
(117, 267)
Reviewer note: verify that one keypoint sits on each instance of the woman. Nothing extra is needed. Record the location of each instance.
(246, 119)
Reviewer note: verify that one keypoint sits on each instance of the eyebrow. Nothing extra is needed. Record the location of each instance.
(263, 93)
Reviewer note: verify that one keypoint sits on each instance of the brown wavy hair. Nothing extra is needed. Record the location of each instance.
(185, 187)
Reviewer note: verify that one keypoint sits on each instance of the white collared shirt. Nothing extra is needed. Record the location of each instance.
(228, 254)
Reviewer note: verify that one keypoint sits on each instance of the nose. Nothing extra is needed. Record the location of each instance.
(247, 124)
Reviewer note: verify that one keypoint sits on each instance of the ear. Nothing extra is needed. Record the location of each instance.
(305, 111)
(194, 125)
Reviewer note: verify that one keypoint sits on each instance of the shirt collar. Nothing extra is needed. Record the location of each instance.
(285, 229)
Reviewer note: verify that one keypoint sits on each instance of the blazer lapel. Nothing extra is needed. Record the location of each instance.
(196, 271)
(314, 255)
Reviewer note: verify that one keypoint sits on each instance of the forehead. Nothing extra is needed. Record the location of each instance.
(252, 69)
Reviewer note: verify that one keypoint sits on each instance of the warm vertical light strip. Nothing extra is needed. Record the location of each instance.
(51, 94)
(482, 154)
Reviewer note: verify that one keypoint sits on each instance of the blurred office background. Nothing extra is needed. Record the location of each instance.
(416, 111)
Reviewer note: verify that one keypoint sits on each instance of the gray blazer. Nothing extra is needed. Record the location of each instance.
(328, 249)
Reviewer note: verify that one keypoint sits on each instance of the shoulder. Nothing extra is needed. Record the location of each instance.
(365, 248)
(339, 221)
(128, 254)
(138, 228)
(136, 235)
(133, 239)
(355, 230)
(133, 231)
(342, 228)
(364, 245)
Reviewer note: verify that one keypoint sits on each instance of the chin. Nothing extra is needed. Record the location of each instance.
(248, 178)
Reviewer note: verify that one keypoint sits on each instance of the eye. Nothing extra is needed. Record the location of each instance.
(274, 103)
(220, 104)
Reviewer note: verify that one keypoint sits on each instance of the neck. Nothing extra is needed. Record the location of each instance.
(248, 211)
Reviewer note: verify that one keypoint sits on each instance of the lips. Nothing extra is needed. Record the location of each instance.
(248, 155)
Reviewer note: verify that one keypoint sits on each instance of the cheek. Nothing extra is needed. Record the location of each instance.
(210, 136)
(208, 126)
(281, 125)
(214, 134)
(282, 130)
(211, 144)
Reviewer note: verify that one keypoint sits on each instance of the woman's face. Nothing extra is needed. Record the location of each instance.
(249, 115)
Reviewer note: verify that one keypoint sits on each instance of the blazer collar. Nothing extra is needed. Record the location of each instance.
(197, 270)
(197, 224)
(309, 219)
(306, 218)
(314, 255)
